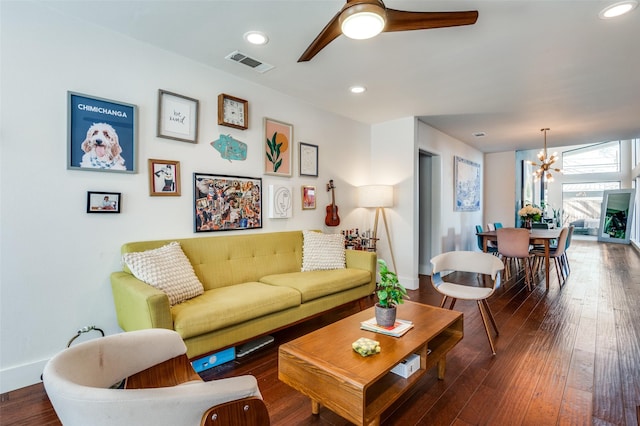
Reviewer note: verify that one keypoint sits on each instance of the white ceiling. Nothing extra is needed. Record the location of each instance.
(525, 64)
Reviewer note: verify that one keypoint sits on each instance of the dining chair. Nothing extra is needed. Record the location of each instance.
(472, 262)
(556, 254)
(513, 245)
(565, 258)
(497, 225)
(490, 247)
(539, 225)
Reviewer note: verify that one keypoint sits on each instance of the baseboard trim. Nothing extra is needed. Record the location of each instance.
(21, 376)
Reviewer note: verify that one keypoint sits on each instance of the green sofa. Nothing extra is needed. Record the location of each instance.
(253, 285)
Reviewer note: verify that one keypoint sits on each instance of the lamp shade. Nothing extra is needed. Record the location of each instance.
(375, 196)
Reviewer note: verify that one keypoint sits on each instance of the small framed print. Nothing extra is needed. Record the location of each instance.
(101, 134)
(177, 117)
(104, 202)
(164, 178)
(308, 197)
(308, 159)
(278, 147)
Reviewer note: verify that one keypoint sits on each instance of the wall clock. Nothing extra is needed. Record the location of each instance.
(233, 112)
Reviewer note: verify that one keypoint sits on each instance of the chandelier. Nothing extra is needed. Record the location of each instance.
(546, 162)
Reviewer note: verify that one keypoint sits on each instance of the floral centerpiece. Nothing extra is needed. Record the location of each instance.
(530, 214)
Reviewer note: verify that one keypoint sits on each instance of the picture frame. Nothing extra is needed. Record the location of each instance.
(164, 178)
(226, 203)
(308, 197)
(101, 134)
(280, 202)
(104, 202)
(278, 148)
(466, 185)
(177, 117)
(308, 159)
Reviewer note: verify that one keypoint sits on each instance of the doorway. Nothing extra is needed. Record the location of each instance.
(428, 209)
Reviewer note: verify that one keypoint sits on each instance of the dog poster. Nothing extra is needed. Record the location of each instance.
(101, 134)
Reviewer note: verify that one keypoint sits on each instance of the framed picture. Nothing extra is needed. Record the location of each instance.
(101, 134)
(467, 185)
(164, 178)
(308, 197)
(177, 117)
(104, 202)
(278, 147)
(225, 203)
(280, 202)
(308, 159)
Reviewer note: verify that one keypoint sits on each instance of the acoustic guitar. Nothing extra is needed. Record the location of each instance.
(332, 218)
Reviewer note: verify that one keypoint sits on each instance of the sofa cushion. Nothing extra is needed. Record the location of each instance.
(322, 251)
(316, 284)
(167, 269)
(225, 306)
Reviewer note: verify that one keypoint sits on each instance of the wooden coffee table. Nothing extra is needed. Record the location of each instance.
(323, 366)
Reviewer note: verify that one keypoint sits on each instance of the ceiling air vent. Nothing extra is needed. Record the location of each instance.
(241, 58)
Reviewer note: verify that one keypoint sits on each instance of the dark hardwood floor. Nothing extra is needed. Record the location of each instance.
(566, 356)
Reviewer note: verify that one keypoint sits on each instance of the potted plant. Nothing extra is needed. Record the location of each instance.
(529, 214)
(390, 294)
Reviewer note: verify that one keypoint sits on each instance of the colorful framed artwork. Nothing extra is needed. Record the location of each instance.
(308, 159)
(308, 197)
(177, 117)
(467, 185)
(278, 147)
(104, 202)
(101, 134)
(226, 203)
(164, 178)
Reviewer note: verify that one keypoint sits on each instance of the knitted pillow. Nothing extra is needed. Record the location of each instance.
(322, 251)
(167, 269)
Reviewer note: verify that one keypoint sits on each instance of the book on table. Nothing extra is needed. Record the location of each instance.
(398, 329)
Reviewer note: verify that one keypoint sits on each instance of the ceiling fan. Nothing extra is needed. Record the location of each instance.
(382, 19)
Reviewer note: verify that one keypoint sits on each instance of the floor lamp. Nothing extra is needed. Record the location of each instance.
(378, 197)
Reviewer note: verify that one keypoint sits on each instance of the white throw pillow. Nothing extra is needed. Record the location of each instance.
(322, 251)
(167, 269)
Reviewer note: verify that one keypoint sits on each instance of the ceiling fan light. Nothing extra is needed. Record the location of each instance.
(362, 21)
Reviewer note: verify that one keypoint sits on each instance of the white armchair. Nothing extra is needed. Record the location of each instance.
(79, 384)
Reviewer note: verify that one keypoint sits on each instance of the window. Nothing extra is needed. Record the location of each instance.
(581, 203)
(599, 158)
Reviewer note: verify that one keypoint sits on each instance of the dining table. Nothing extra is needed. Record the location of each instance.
(536, 236)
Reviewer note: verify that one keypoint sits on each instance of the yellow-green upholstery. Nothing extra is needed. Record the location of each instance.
(253, 285)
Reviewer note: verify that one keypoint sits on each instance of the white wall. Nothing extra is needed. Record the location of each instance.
(56, 259)
(457, 229)
(395, 147)
(499, 201)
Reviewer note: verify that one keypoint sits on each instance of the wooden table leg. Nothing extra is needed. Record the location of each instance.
(485, 243)
(315, 407)
(442, 366)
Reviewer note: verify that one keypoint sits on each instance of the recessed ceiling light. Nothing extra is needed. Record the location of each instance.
(618, 9)
(357, 89)
(256, 37)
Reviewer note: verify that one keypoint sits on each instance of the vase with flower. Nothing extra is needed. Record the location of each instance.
(529, 214)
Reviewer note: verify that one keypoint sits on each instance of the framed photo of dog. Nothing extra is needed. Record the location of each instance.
(164, 178)
(225, 203)
(103, 202)
(101, 134)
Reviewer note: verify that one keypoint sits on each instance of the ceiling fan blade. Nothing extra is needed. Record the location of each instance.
(326, 36)
(399, 20)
